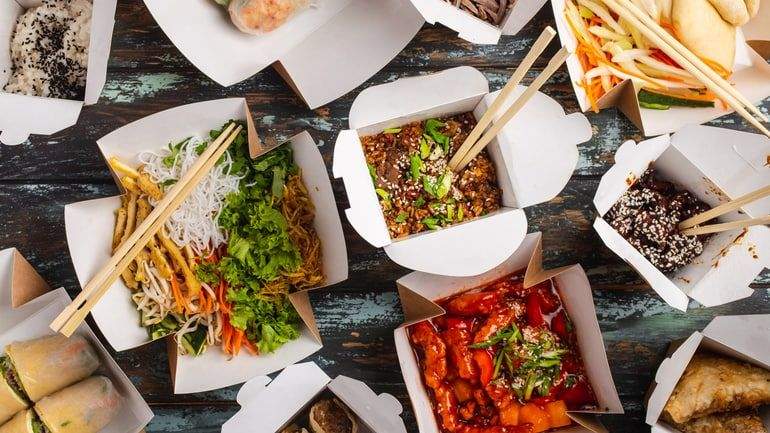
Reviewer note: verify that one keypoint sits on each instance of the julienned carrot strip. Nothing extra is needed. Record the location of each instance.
(237, 341)
(176, 290)
(250, 346)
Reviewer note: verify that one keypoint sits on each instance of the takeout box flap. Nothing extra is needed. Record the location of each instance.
(575, 291)
(26, 283)
(134, 413)
(349, 48)
(742, 337)
(380, 413)
(271, 404)
(467, 26)
(24, 115)
(751, 78)
(22, 290)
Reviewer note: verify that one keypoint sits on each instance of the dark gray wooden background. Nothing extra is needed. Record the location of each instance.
(356, 318)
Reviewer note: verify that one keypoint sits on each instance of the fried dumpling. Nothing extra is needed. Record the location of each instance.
(733, 422)
(262, 16)
(712, 384)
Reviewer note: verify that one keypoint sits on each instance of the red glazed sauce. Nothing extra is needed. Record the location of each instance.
(503, 359)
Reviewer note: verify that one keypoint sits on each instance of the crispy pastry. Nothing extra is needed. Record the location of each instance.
(734, 422)
(712, 384)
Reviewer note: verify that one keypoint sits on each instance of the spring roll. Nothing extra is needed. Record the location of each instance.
(46, 365)
(85, 407)
(24, 422)
(12, 399)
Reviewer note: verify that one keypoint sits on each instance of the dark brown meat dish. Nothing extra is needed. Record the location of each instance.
(647, 216)
(416, 189)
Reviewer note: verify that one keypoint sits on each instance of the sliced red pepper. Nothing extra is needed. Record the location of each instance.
(549, 301)
(486, 365)
(578, 395)
(561, 326)
(534, 311)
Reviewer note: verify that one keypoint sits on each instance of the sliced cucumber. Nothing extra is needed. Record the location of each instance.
(659, 101)
(195, 342)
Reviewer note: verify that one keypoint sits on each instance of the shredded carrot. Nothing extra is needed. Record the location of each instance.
(250, 347)
(176, 290)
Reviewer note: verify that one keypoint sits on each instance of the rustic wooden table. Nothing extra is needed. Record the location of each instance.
(356, 318)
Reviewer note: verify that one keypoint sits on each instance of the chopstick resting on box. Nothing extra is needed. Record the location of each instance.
(537, 49)
(687, 60)
(470, 147)
(725, 208)
(74, 314)
(723, 227)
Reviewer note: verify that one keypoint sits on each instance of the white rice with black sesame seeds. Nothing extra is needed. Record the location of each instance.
(49, 50)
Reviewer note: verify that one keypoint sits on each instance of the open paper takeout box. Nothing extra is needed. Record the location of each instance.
(27, 307)
(474, 29)
(23, 115)
(745, 338)
(90, 224)
(716, 165)
(534, 156)
(267, 406)
(751, 77)
(418, 292)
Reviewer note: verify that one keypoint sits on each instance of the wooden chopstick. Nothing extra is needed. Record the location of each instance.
(695, 60)
(653, 33)
(722, 227)
(553, 65)
(74, 314)
(535, 51)
(725, 208)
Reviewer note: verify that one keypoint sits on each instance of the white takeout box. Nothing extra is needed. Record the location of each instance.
(323, 52)
(534, 156)
(745, 338)
(23, 115)
(22, 289)
(267, 406)
(716, 165)
(134, 413)
(474, 29)
(419, 292)
(89, 226)
(751, 77)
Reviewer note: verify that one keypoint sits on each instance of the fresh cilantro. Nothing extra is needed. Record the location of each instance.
(207, 272)
(419, 202)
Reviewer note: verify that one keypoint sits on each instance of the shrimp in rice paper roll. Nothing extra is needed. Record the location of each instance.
(48, 364)
(86, 407)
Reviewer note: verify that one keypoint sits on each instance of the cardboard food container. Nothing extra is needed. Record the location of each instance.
(474, 29)
(419, 292)
(323, 52)
(268, 406)
(744, 338)
(24, 115)
(534, 156)
(31, 309)
(716, 165)
(89, 226)
(751, 77)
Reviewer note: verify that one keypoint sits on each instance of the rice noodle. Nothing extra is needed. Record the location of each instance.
(194, 223)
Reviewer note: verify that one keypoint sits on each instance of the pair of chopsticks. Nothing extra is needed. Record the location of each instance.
(473, 145)
(690, 226)
(689, 61)
(74, 314)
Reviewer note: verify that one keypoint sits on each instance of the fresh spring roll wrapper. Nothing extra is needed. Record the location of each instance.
(46, 365)
(10, 401)
(85, 407)
(21, 423)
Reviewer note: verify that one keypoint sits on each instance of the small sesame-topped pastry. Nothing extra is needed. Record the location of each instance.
(647, 216)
